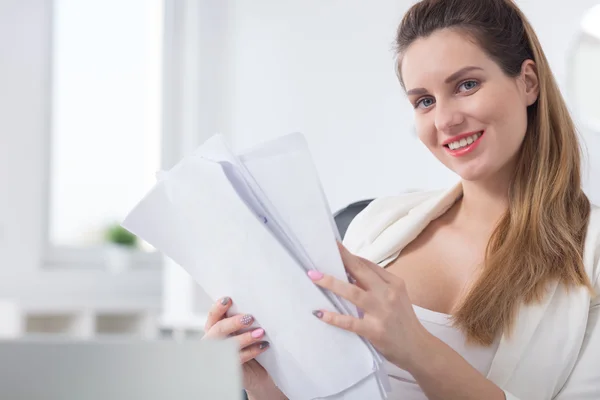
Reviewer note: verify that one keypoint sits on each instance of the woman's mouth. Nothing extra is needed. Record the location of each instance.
(464, 145)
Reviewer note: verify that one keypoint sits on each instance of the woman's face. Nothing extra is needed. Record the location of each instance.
(469, 114)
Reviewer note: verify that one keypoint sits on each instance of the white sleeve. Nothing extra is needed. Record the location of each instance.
(584, 381)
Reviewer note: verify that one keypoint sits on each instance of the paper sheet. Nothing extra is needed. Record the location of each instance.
(301, 206)
(295, 215)
(209, 217)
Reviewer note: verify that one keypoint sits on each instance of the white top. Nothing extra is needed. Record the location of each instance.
(403, 384)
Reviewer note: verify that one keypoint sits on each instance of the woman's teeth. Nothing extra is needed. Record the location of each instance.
(464, 141)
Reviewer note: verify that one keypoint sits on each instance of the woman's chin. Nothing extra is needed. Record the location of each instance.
(473, 173)
(473, 169)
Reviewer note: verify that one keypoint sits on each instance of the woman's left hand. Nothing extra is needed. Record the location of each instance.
(389, 321)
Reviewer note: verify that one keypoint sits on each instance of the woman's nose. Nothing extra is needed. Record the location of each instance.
(447, 116)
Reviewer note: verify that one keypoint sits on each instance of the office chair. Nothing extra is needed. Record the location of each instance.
(344, 217)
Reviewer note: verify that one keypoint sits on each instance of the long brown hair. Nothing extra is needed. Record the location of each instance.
(541, 236)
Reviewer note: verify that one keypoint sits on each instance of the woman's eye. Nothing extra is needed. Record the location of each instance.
(424, 103)
(468, 85)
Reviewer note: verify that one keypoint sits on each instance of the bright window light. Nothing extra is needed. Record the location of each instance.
(106, 113)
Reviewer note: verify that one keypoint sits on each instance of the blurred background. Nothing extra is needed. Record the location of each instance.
(97, 96)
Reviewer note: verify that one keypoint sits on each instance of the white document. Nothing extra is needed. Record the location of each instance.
(249, 228)
(286, 163)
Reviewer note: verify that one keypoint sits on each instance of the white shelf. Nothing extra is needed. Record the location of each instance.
(141, 324)
(77, 324)
(63, 324)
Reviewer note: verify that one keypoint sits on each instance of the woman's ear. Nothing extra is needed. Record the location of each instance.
(530, 79)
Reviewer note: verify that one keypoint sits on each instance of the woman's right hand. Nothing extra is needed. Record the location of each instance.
(218, 326)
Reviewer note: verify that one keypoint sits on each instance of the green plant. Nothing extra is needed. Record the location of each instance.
(118, 235)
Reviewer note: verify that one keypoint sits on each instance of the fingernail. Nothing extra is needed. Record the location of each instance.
(247, 319)
(314, 275)
(225, 300)
(263, 345)
(318, 314)
(258, 333)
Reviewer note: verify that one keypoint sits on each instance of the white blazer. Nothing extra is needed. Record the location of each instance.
(554, 352)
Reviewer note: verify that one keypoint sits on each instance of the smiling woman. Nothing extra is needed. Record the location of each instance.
(508, 253)
(493, 265)
(454, 102)
(490, 289)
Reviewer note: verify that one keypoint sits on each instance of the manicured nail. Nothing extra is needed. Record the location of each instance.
(263, 345)
(225, 300)
(318, 314)
(247, 319)
(315, 275)
(258, 333)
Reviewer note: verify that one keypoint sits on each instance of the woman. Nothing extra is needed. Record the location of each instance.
(490, 288)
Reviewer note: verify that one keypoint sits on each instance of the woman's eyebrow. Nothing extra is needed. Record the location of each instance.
(455, 76)
(460, 73)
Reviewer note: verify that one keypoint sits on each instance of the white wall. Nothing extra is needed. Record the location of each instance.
(325, 68)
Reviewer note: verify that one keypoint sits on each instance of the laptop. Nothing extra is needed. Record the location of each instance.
(119, 370)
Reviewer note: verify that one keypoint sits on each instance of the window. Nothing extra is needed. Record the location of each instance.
(106, 115)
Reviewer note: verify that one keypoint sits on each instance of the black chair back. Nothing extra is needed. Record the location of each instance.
(344, 216)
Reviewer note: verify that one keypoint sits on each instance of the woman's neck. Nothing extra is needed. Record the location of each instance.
(483, 203)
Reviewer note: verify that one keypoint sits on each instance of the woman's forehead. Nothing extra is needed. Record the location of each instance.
(438, 56)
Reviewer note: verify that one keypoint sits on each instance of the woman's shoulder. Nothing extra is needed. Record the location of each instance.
(380, 213)
(384, 211)
(402, 201)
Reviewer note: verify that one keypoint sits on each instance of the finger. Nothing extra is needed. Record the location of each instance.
(227, 326)
(248, 338)
(362, 269)
(345, 322)
(363, 274)
(217, 312)
(348, 291)
(249, 353)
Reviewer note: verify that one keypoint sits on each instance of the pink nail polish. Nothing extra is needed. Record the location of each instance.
(314, 275)
(258, 333)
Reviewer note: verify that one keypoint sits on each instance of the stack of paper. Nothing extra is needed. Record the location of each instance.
(250, 227)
